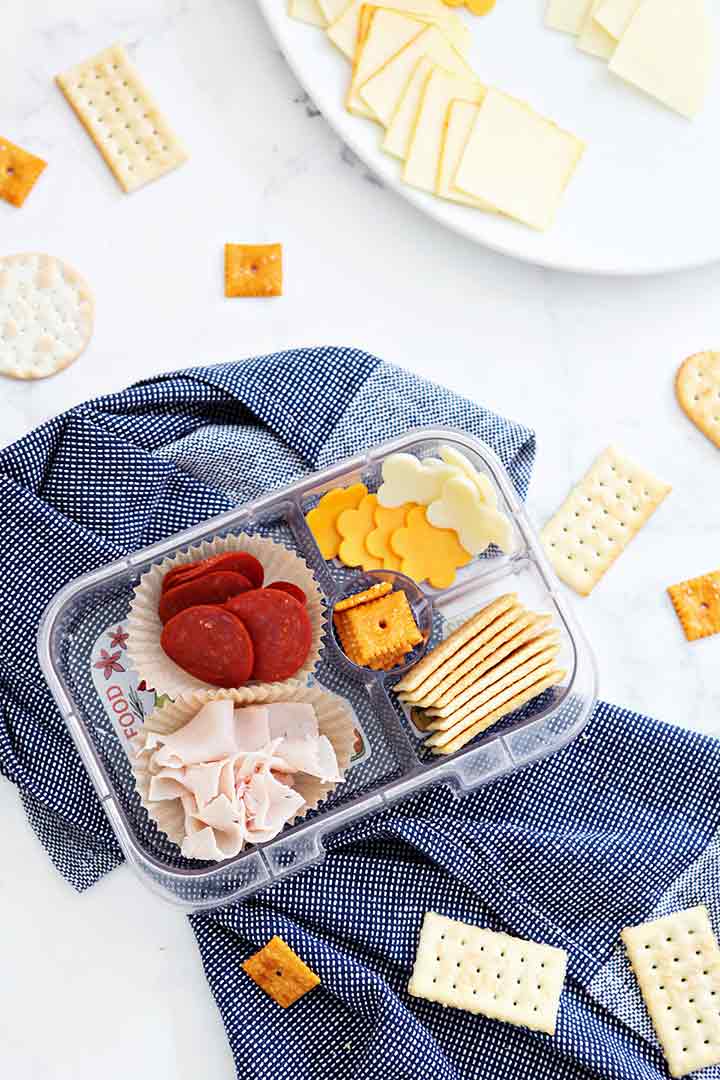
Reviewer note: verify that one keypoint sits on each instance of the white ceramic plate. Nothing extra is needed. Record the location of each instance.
(646, 196)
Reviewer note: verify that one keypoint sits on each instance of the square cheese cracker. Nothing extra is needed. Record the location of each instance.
(517, 161)
(482, 971)
(676, 961)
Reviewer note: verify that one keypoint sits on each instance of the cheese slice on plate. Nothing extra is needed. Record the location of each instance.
(344, 31)
(332, 9)
(593, 38)
(461, 116)
(615, 15)
(567, 15)
(308, 11)
(668, 51)
(517, 161)
(399, 134)
(383, 91)
(382, 33)
(423, 160)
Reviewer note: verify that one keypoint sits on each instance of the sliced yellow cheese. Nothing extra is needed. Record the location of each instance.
(668, 51)
(615, 15)
(399, 134)
(423, 159)
(383, 91)
(567, 15)
(593, 38)
(459, 122)
(517, 161)
(344, 31)
(332, 9)
(308, 11)
(387, 33)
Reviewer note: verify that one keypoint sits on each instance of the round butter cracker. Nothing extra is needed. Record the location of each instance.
(46, 315)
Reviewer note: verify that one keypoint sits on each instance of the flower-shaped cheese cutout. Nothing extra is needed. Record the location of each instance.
(354, 526)
(322, 519)
(453, 457)
(428, 553)
(406, 479)
(387, 520)
(476, 524)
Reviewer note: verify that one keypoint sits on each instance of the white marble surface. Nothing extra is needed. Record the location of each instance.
(584, 361)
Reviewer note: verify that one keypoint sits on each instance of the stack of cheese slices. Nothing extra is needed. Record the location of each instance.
(456, 138)
(663, 47)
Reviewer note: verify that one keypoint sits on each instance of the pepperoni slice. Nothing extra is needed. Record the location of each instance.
(291, 589)
(280, 629)
(208, 589)
(210, 643)
(238, 562)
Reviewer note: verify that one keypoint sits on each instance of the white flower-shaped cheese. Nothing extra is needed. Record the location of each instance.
(453, 457)
(407, 479)
(460, 507)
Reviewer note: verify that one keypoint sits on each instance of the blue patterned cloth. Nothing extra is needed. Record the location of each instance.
(617, 828)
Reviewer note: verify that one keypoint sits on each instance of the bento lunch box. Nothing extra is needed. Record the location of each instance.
(390, 762)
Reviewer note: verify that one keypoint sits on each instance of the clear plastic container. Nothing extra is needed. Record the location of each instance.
(397, 766)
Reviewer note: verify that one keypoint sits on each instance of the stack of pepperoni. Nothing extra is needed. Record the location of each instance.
(221, 625)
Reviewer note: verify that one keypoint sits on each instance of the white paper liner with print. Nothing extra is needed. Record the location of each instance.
(335, 720)
(279, 563)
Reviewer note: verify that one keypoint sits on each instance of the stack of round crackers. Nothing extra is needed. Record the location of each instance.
(497, 661)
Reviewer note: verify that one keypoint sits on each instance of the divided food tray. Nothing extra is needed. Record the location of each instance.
(393, 763)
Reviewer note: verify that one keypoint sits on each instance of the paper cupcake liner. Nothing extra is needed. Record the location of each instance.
(335, 720)
(144, 626)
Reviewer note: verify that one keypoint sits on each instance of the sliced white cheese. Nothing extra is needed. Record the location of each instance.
(387, 33)
(668, 51)
(615, 15)
(423, 159)
(344, 31)
(458, 124)
(566, 15)
(399, 134)
(517, 161)
(332, 9)
(382, 92)
(308, 11)
(593, 38)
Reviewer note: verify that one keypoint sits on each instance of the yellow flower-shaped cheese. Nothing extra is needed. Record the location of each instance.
(387, 521)
(354, 527)
(322, 519)
(427, 553)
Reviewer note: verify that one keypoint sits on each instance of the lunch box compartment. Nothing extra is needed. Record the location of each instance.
(396, 764)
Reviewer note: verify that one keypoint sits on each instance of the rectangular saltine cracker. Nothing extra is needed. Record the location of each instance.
(459, 662)
(508, 707)
(121, 117)
(483, 971)
(676, 961)
(447, 648)
(599, 518)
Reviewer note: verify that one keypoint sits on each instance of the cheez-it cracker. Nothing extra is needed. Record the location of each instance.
(697, 604)
(280, 973)
(19, 170)
(253, 270)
